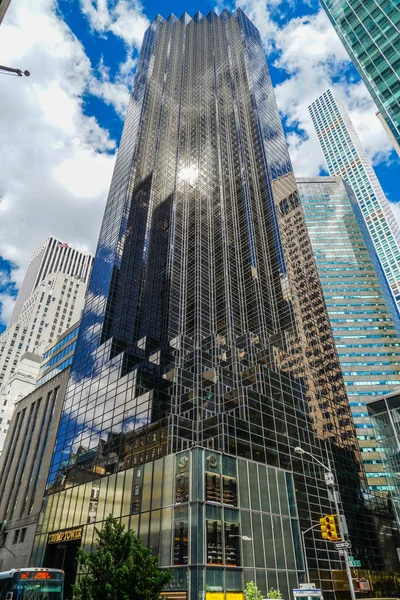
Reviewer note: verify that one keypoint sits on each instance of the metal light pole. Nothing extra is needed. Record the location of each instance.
(331, 485)
(303, 533)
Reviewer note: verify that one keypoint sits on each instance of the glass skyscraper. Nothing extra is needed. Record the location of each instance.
(345, 156)
(205, 353)
(365, 336)
(370, 32)
(385, 414)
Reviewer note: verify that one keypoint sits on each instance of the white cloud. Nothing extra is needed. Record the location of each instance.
(114, 93)
(57, 161)
(6, 307)
(313, 56)
(124, 18)
(260, 12)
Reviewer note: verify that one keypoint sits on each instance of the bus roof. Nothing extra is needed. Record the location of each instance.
(11, 572)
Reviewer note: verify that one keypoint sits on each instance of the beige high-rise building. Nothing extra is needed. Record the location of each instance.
(49, 302)
(4, 4)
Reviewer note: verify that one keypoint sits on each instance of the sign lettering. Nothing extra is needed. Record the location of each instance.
(68, 535)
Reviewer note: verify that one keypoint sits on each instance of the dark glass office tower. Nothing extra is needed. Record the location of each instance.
(205, 353)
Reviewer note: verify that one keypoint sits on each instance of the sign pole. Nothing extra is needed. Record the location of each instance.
(349, 575)
(330, 483)
(307, 574)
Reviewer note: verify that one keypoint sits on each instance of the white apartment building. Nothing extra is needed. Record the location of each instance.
(53, 256)
(54, 304)
(20, 384)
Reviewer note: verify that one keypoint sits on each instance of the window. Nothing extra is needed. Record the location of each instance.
(95, 493)
(214, 542)
(16, 535)
(182, 488)
(232, 544)
(23, 534)
(181, 538)
(229, 491)
(213, 487)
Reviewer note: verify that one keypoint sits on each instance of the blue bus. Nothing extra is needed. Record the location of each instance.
(32, 584)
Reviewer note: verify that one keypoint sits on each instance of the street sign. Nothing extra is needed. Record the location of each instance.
(342, 545)
(354, 563)
(311, 591)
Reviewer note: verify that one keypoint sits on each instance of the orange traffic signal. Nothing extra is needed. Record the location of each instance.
(329, 528)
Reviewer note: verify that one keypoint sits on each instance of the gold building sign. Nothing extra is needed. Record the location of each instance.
(68, 535)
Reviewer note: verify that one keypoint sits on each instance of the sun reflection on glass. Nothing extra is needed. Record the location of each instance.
(188, 174)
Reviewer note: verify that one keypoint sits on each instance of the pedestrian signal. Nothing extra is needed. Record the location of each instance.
(329, 528)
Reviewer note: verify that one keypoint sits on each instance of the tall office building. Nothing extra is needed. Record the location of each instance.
(365, 336)
(345, 156)
(53, 292)
(205, 354)
(25, 461)
(370, 31)
(4, 4)
(52, 256)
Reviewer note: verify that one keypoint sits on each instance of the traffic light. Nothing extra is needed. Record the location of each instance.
(329, 528)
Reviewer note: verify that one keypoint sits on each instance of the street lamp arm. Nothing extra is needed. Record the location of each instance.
(10, 70)
(300, 450)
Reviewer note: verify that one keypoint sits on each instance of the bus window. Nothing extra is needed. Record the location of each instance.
(31, 583)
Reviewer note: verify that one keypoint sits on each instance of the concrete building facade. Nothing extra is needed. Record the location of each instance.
(24, 465)
(21, 383)
(51, 309)
(53, 256)
(4, 4)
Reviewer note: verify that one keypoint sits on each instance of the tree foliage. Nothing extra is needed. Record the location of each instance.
(120, 567)
(274, 594)
(252, 592)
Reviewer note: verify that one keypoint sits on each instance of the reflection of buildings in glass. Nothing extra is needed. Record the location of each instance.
(369, 31)
(365, 335)
(205, 353)
(385, 414)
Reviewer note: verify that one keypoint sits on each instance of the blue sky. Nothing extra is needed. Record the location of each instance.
(60, 128)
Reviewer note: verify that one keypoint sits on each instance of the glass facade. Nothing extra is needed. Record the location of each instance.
(370, 32)
(227, 540)
(385, 414)
(365, 336)
(59, 356)
(345, 156)
(205, 353)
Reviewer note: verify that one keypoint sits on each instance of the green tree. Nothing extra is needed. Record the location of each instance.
(274, 594)
(119, 568)
(252, 592)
